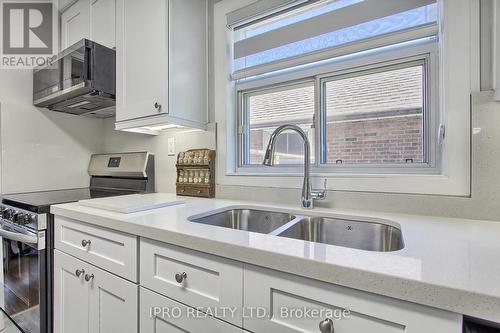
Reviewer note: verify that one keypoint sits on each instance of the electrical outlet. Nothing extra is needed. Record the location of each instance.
(171, 147)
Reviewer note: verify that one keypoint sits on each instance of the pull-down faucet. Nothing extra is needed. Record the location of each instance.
(308, 195)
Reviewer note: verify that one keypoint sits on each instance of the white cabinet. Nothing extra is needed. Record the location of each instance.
(193, 278)
(182, 290)
(141, 59)
(91, 19)
(102, 22)
(71, 301)
(75, 23)
(112, 303)
(90, 300)
(286, 297)
(159, 314)
(161, 64)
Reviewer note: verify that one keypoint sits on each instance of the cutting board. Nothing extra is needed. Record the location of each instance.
(133, 202)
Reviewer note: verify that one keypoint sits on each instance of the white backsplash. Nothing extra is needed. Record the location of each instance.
(41, 149)
(185, 139)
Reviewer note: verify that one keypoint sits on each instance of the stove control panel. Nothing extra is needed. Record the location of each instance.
(23, 218)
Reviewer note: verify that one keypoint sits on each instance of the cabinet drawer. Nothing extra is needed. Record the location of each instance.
(287, 297)
(112, 250)
(209, 282)
(159, 314)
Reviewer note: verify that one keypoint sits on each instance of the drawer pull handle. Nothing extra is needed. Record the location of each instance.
(326, 326)
(180, 277)
(89, 277)
(85, 242)
(158, 106)
(79, 272)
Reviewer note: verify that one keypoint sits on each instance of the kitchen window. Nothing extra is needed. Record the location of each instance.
(374, 117)
(380, 87)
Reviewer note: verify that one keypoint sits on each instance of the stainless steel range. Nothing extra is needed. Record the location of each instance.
(26, 235)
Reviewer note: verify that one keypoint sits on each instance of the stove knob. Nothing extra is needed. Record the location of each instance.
(17, 217)
(31, 218)
(6, 213)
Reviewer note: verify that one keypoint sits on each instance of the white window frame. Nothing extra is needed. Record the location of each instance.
(422, 54)
(454, 82)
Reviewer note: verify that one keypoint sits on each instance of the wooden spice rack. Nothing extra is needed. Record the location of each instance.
(196, 173)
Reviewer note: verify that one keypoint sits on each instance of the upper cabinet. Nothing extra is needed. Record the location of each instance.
(102, 22)
(161, 57)
(141, 59)
(91, 19)
(75, 23)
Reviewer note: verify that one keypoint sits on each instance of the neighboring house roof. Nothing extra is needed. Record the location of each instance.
(368, 95)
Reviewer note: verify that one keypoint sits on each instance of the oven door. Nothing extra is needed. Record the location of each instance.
(23, 272)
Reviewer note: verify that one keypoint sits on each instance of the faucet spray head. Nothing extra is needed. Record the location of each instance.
(269, 156)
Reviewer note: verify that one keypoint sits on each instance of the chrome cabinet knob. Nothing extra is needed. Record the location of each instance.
(157, 106)
(180, 277)
(89, 277)
(79, 272)
(85, 242)
(326, 326)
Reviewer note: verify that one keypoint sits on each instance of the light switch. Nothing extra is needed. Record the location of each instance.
(171, 147)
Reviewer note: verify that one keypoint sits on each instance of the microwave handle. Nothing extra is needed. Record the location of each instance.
(88, 63)
(16, 236)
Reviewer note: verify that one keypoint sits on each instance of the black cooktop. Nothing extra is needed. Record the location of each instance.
(39, 202)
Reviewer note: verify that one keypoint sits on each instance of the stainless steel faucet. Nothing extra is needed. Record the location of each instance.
(308, 195)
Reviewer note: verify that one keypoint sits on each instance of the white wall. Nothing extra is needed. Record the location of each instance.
(185, 139)
(41, 149)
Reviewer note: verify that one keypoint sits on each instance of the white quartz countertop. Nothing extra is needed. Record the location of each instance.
(447, 263)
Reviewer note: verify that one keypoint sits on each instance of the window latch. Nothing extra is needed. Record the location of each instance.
(441, 134)
(241, 129)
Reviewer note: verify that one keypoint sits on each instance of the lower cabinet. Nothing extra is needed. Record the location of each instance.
(182, 290)
(295, 304)
(90, 300)
(160, 314)
(71, 295)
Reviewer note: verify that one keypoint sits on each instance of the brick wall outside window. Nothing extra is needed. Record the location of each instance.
(386, 140)
(372, 141)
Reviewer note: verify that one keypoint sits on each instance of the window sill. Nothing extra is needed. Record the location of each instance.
(379, 183)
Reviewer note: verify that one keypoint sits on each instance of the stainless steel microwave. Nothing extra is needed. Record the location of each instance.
(80, 80)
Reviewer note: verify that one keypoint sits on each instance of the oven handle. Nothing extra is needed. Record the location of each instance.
(16, 236)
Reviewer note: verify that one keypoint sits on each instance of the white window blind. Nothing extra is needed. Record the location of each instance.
(295, 33)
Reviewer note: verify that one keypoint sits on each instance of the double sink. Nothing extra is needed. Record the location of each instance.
(357, 234)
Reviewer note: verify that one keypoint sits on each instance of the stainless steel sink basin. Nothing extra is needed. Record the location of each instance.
(354, 234)
(247, 219)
